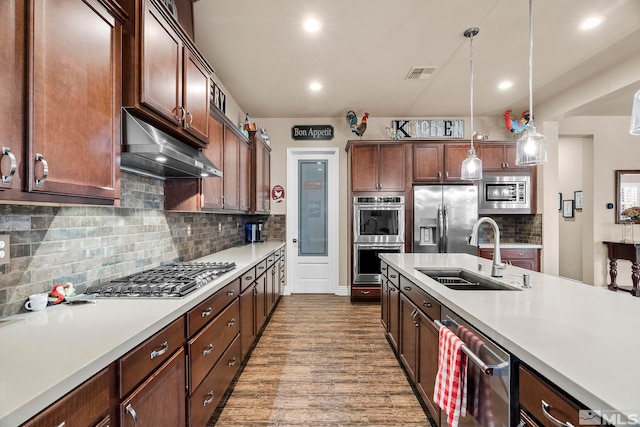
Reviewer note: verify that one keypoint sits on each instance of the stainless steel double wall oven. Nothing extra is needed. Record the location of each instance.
(378, 227)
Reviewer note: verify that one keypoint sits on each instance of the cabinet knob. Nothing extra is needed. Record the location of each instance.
(231, 322)
(427, 304)
(232, 362)
(231, 293)
(407, 288)
(207, 312)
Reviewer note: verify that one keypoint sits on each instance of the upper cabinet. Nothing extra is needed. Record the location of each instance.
(168, 80)
(498, 156)
(377, 167)
(70, 53)
(438, 162)
(261, 166)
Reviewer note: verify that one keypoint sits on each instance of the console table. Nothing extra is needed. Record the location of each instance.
(627, 252)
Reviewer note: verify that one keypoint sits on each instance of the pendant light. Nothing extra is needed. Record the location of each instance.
(635, 115)
(531, 148)
(472, 165)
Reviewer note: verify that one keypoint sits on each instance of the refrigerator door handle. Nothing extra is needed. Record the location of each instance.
(445, 229)
(440, 230)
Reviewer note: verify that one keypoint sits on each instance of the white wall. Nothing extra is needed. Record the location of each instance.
(570, 179)
(613, 148)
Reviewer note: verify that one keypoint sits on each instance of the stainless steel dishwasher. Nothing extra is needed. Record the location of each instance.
(489, 373)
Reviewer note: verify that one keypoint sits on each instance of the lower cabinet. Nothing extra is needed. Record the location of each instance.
(427, 362)
(542, 404)
(206, 397)
(87, 405)
(525, 258)
(394, 319)
(161, 399)
(408, 344)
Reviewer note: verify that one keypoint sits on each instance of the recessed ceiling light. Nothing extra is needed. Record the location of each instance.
(161, 159)
(315, 86)
(505, 85)
(312, 25)
(591, 22)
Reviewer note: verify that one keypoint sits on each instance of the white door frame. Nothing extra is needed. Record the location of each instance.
(333, 200)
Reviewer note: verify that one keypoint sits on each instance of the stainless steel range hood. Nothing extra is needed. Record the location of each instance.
(150, 150)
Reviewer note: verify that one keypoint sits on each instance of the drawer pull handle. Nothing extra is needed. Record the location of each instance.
(62, 424)
(207, 312)
(364, 292)
(232, 361)
(209, 400)
(129, 410)
(45, 170)
(427, 304)
(261, 267)
(231, 293)
(6, 151)
(545, 411)
(248, 278)
(231, 322)
(207, 350)
(393, 276)
(407, 288)
(163, 349)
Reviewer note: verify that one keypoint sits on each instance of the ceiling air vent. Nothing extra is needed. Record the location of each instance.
(420, 73)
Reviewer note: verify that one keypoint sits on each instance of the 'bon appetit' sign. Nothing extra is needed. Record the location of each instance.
(312, 132)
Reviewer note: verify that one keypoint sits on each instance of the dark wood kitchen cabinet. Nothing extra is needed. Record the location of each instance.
(261, 167)
(168, 80)
(161, 399)
(498, 156)
(237, 172)
(248, 311)
(87, 405)
(377, 167)
(528, 258)
(394, 314)
(418, 340)
(438, 162)
(72, 139)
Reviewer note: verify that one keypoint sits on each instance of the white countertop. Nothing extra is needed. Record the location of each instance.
(44, 355)
(582, 338)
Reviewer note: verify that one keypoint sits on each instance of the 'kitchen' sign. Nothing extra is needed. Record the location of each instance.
(312, 132)
(424, 129)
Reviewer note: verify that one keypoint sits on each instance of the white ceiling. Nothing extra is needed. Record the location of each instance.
(367, 47)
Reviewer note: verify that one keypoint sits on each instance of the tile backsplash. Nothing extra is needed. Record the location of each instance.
(87, 245)
(514, 229)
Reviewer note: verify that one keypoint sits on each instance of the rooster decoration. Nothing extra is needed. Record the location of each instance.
(356, 128)
(516, 126)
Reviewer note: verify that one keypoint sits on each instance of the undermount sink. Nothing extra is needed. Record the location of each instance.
(463, 280)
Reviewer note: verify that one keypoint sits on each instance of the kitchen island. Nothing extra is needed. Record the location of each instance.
(44, 355)
(581, 338)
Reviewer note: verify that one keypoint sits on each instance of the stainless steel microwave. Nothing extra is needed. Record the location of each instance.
(505, 194)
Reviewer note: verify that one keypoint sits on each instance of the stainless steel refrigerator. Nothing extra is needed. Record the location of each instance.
(443, 217)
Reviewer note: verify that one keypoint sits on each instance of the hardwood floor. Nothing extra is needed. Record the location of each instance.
(322, 361)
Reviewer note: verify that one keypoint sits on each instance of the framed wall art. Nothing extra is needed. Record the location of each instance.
(577, 196)
(567, 208)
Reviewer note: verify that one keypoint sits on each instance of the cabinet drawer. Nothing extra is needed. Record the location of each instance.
(534, 390)
(84, 406)
(261, 267)
(206, 397)
(394, 276)
(363, 292)
(207, 310)
(248, 278)
(271, 259)
(384, 269)
(420, 298)
(510, 253)
(140, 362)
(212, 341)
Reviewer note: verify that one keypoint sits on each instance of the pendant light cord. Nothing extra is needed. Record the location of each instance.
(530, 61)
(471, 80)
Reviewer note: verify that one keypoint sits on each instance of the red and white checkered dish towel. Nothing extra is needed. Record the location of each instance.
(479, 403)
(451, 387)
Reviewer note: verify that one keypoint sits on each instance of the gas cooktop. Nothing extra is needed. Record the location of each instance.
(169, 281)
